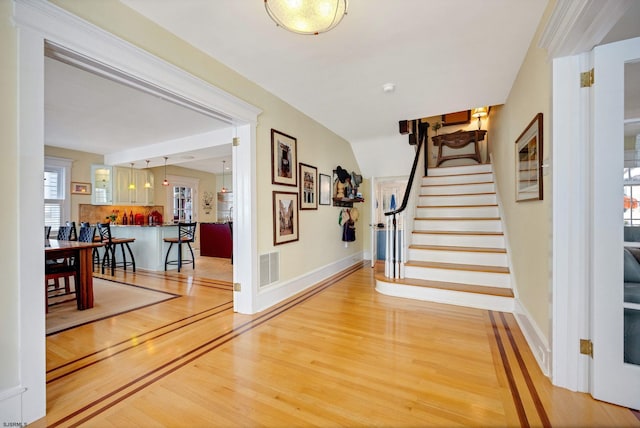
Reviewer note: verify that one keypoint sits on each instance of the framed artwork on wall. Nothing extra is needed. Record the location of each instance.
(80, 188)
(457, 118)
(324, 189)
(284, 156)
(529, 162)
(285, 217)
(308, 187)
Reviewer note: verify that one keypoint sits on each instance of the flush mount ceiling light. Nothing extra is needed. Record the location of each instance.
(309, 17)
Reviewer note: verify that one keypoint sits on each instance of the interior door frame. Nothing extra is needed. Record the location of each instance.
(571, 223)
(38, 22)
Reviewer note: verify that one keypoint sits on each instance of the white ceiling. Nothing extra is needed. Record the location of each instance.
(443, 56)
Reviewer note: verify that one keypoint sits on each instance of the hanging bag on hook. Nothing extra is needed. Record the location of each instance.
(349, 228)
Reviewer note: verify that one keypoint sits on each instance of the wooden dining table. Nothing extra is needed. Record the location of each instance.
(81, 252)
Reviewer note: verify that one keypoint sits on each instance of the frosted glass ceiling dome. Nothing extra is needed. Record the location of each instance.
(310, 17)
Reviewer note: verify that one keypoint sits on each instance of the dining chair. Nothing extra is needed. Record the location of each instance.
(186, 235)
(64, 233)
(88, 234)
(59, 269)
(110, 246)
(73, 236)
(47, 232)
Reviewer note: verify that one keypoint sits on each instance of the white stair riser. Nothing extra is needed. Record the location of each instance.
(470, 300)
(458, 225)
(457, 179)
(492, 241)
(489, 279)
(446, 212)
(465, 169)
(462, 257)
(457, 200)
(458, 189)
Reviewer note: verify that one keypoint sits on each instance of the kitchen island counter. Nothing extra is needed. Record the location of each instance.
(149, 249)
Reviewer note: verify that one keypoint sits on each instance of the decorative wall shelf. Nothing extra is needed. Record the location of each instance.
(346, 202)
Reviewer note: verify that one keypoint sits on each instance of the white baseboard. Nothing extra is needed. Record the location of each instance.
(535, 339)
(277, 292)
(11, 406)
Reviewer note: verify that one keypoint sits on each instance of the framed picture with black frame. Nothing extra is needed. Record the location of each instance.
(308, 187)
(324, 189)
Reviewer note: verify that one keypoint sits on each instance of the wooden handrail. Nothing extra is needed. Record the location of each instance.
(422, 141)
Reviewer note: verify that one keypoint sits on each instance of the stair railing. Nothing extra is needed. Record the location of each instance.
(395, 254)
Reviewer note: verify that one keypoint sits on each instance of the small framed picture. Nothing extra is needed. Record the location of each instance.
(529, 162)
(308, 187)
(285, 217)
(324, 189)
(80, 188)
(283, 159)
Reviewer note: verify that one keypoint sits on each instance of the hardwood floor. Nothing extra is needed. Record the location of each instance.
(338, 354)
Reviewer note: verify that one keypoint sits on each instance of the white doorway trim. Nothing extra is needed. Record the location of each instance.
(571, 176)
(37, 22)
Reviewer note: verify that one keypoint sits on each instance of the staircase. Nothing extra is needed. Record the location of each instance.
(457, 252)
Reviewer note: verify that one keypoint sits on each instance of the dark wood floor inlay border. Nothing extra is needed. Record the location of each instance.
(169, 367)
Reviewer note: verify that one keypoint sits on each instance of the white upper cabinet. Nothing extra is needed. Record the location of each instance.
(102, 183)
(122, 186)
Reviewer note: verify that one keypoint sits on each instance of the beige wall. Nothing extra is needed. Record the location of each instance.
(528, 224)
(9, 292)
(320, 242)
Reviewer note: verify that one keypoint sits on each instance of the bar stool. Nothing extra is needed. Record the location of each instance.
(110, 244)
(186, 235)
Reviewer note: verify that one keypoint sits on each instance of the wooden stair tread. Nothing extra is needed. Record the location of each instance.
(448, 232)
(459, 194)
(452, 286)
(455, 248)
(457, 206)
(457, 184)
(458, 218)
(458, 266)
(455, 175)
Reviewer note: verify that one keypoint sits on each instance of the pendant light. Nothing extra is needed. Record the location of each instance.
(132, 185)
(147, 182)
(165, 182)
(224, 189)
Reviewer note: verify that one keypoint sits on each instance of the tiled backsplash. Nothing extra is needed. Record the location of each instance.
(98, 213)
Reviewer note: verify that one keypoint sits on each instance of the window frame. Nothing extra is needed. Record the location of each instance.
(63, 167)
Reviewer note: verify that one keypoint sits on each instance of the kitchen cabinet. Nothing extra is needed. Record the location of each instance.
(102, 183)
(215, 240)
(111, 186)
(138, 194)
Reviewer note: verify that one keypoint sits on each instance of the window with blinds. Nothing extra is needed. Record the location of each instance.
(54, 196)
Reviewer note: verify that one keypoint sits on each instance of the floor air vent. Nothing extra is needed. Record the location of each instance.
(269, 268)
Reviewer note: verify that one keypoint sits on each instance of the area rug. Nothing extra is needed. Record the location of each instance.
(110, 298)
